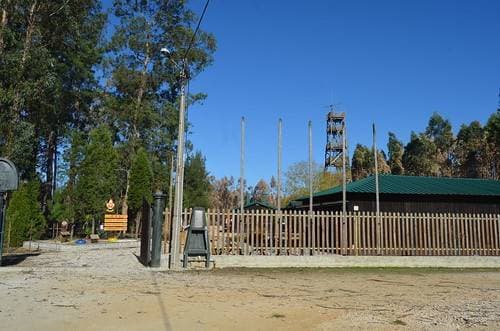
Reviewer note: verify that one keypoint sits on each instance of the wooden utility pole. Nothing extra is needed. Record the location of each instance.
(310, 169)
(242, 164)
(278, 184)
(377, 202)
(278, 188)
(179, 182)
(344, 192)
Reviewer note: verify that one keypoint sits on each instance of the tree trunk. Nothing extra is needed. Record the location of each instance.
(135, 131)
(138, 217)
(16, 105)
(50, 173)
(125, 197)
(3, 25)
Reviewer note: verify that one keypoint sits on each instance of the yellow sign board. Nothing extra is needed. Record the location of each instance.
(114, 222)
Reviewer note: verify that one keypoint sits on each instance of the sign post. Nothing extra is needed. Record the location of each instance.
(9, 181)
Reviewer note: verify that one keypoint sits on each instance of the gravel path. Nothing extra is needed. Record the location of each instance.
(110, 290)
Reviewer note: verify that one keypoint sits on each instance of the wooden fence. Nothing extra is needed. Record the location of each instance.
(262, 232)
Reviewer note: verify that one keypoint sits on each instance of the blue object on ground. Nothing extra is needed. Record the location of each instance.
(80, 242)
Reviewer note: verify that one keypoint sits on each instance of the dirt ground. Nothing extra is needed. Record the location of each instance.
(110, 290)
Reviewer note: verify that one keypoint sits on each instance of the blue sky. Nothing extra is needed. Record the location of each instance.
(392, 62)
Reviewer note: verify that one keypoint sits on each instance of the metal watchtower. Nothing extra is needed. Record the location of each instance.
(335, 131)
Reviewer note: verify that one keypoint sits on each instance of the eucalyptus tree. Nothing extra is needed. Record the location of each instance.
(48, 50)
(395, 150)
(143, 86)
(440, 132)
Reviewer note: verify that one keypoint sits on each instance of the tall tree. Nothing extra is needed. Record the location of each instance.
(143, 85)
(297, 180)
(396, 150)
(141, 180)
(261, 192)
(439, 131)
(224, 193)
(419, 156)
(49, 49)
(492, 135)
(98, 175)
(470, 151)
(363, 164)
(197, 182)
(24, 217)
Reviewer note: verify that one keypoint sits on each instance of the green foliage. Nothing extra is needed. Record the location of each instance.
(196, 182)
(419, 156)
(492, 135)
(439, 131)
(395, 149)
(141, 177)
(98, 175)
(24, 216)
(363, 163)
(470, 152)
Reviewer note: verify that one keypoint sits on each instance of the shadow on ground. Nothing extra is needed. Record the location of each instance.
(14, 259)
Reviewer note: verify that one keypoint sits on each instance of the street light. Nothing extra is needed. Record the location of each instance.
(174, 262)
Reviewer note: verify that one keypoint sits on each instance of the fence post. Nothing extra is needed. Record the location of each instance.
(343, 241)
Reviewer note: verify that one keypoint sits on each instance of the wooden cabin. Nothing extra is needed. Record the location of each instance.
(411, 194)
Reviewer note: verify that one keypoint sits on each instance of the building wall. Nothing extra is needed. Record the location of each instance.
(411, 204)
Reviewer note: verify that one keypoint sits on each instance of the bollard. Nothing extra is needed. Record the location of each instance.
(158, 207)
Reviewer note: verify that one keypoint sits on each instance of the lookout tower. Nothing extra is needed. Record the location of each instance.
(335, 141)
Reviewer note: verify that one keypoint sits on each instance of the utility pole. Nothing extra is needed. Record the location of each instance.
(176, 226)
(344, 191)
(242, 166)
(377, 202)
(312, 234)
(278, 185)
(310, 169)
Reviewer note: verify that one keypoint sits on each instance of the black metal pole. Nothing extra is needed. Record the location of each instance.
(158, 207)
(2, 219)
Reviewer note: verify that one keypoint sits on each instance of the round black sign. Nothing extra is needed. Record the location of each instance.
(9, 179)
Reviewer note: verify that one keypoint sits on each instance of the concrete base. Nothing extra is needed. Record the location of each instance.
(56, 246)
(337, 261)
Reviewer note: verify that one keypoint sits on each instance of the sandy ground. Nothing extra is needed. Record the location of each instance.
(110, 290)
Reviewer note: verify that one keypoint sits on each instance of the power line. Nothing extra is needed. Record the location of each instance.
(196, 30)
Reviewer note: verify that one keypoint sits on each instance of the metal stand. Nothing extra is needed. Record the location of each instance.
(197, 243)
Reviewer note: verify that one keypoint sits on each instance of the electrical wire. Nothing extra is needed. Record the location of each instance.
(196, 30)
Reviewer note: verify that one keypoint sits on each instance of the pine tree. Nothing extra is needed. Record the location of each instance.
(141, 178)
(196, 182)
(24, 217)
(98, 177)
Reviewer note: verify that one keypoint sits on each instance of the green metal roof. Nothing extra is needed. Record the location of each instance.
(413, 185)
(258, 203)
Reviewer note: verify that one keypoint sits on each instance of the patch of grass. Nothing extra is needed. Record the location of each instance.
(398, 322)
(277, 315)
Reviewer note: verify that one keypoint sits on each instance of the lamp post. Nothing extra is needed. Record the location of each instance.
(174, 262)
